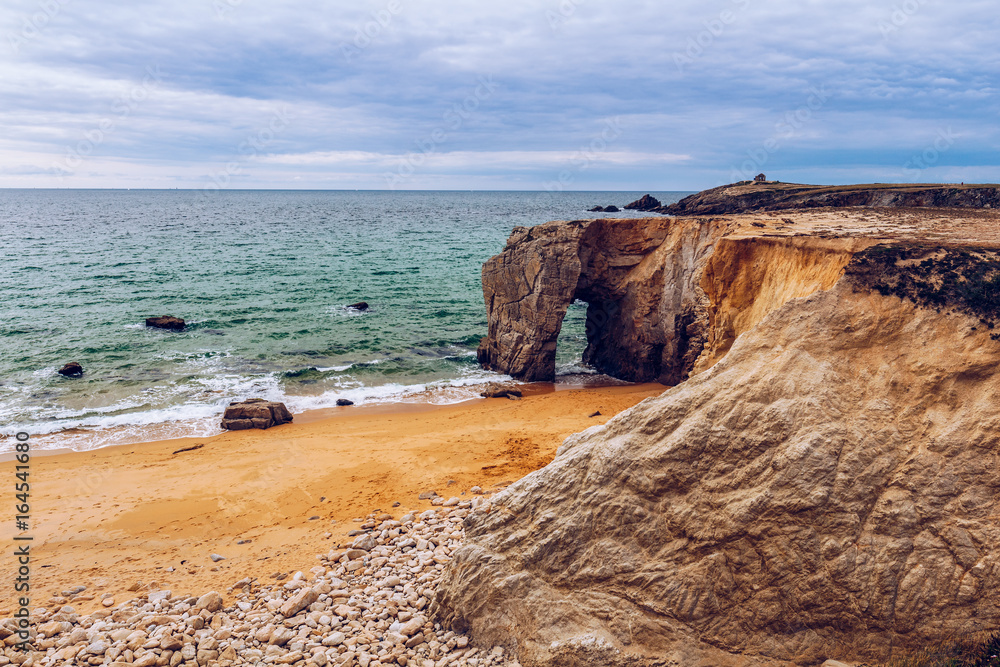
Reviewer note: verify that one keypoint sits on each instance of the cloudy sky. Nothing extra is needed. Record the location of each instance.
(524, 94)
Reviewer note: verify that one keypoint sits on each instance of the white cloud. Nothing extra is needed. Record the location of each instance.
(562, 68)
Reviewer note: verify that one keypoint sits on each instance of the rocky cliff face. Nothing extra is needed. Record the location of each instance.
(750, 196)
(664, 296)
(826, 484)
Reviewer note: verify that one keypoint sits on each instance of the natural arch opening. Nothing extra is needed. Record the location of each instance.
(571, 343)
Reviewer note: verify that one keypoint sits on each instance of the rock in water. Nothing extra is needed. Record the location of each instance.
(343, 402)
(811, 494)
(255, 413)
(644, 203)
(165, 322)
(71, 370)
(596, 209)
(360, 305)
(611, 209)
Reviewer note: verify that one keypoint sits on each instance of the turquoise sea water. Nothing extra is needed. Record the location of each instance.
(262, 278)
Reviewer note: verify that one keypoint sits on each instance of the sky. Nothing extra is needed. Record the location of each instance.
(521, 95)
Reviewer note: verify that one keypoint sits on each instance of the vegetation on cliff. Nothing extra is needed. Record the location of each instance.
(772, 195)
(933, 276)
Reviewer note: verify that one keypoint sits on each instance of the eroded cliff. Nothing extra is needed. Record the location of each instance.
(826, 484)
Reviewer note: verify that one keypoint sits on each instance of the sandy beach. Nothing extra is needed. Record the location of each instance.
(269, 501)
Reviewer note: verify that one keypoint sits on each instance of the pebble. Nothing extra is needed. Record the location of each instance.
(363, 605)
(155, 596)
(216, 558)
(210, 602)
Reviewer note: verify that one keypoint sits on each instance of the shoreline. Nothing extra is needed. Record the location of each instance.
(571, 382)
(269, 501)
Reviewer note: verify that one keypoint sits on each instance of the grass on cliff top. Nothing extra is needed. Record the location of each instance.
(935, 277)
(804, 188)
(981, 650)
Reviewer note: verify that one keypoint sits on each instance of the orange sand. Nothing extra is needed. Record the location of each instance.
(121, 515)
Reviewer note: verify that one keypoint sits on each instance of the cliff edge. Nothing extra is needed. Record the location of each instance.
(824, 485)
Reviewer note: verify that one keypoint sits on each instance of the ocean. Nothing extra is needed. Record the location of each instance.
(263, 279)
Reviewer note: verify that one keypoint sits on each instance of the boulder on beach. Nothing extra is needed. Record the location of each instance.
(496, 390)
(644, 203)
(360, 305)
(343, 402)
(71, 370)
(255, 413)
(165, 322)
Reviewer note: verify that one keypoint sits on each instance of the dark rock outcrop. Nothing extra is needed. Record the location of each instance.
(343, 402)
(255, 413)
(644, 203)
(71, 370)
(165, 322)
(611, 209)
(596, 209)
(751, 196)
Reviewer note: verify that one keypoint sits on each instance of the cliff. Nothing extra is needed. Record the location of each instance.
(825, 483)
(772, 195)
(668, 297)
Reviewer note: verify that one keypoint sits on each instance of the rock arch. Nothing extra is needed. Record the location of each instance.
(666, 297)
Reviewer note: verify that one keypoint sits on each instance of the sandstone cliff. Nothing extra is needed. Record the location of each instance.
(826, 484)
(668, 297)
